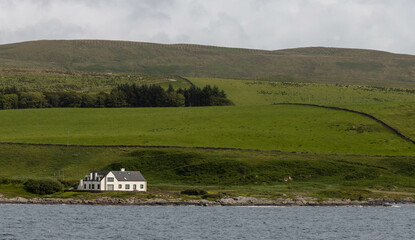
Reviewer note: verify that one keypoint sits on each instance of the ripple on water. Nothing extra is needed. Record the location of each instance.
(144, 222)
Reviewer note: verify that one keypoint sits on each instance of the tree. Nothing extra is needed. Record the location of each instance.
(52, 98)
(9, 101)
(117, 98)
(32, 100)
(70, 99)
(88, 101)
(101, 100)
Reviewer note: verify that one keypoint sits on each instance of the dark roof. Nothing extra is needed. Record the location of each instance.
(128, 176)
(101, 173)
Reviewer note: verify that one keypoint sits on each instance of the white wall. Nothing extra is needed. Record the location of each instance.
(123, 184)
(104, 184)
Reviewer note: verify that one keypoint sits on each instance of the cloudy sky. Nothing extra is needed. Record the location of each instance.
(265, 24)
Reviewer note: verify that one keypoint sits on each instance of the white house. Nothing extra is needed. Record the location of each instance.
(113, 181)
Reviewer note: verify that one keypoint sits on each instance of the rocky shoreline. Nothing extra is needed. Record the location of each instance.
(225, 201)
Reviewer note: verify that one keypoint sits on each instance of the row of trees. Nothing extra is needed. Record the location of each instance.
(125, 95)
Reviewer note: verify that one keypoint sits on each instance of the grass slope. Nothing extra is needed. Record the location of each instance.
(325, 65)
(395, 106)
(38, 80)
(233, 172)
(287, 128)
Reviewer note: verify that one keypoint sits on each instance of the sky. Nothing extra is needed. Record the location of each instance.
(387, 25)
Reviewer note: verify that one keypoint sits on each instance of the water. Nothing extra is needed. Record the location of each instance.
(145, 222)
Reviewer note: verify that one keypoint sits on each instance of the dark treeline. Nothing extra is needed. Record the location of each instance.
(125, 95)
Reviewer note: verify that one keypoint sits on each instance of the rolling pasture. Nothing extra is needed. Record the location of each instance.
(314, 64)
(281, 127)
(395, 106)
(254, 92)
(234, 173)
(326, 153)
(37, 80)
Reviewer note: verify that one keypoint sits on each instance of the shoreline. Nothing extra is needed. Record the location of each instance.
(226, 201)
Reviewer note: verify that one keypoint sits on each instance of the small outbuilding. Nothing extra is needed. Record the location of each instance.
(113, 181)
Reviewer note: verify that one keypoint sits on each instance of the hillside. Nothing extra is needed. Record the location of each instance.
(395, 106)
(280, 127)
(324, 65)
(234, 173)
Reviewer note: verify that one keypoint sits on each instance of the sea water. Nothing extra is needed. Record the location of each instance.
(152, 222)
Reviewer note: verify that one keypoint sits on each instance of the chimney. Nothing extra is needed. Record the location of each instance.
(122, 169)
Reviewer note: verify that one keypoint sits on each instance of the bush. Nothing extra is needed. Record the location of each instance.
(10, 181)
(43, 187)
(67, 184)
(4, 181)
(193, 192)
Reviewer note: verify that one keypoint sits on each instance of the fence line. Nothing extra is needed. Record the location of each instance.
(396, 131)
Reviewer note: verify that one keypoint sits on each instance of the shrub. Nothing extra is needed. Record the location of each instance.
(4, 181)
(10, 181)
(194, 192)
(43, 187)
(67, 184)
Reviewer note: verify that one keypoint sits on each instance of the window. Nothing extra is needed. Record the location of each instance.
(84, 186)
(127, 186)
(89, 186)
(110, 187)
(98, 187)
(110, 179)
(141, 186)
(134, 187)
(119, 186)
(93, 185)
(86, 178)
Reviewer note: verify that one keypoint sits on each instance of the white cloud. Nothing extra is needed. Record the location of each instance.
(267, 24)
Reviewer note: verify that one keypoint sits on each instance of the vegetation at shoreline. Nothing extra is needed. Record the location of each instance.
(218, 172)
(279, 127)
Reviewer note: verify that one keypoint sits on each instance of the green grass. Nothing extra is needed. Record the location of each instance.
(281, 127)
(401, 115)
(323, 65)
(395, 106)
(251, 92)
(37, 80)
(234, 173)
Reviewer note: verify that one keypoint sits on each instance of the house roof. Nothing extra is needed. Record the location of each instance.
(128, 175)
(101, 173)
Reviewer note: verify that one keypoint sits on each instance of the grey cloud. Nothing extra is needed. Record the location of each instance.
(268, 24)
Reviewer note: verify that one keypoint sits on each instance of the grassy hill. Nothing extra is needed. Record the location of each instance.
(324, 65)
(218, 171)
(326, 153)
(42, 80)
(281, 127)
(395, 106)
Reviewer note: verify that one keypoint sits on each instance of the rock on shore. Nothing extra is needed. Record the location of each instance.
(225, 201)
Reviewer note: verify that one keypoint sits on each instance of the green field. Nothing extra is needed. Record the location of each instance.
(251, 92)
(326, 153)
(234, 173)
(37, 80)
(395, 106)
(282, 127)
(324, 65)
